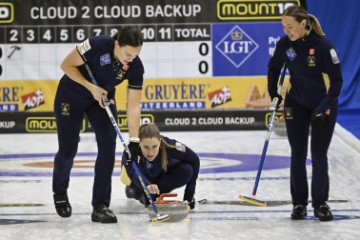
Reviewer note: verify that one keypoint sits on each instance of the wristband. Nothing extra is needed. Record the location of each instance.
(134, 139)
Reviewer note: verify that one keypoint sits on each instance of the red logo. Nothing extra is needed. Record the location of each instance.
(311, 51)
(219, 97)
(33, 100)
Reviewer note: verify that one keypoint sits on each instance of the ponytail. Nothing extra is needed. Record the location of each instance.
(299, 13)
(315, 24)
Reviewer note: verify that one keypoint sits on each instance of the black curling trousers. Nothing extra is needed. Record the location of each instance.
(70, 108)
(298, 127)
(176, 177)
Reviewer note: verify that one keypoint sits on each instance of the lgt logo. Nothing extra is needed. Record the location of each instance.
(6, 12)
(237, 46)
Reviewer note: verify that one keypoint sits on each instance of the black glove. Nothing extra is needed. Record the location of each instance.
(134, 151)
(276, 95)
(317, 119)
(189, 197)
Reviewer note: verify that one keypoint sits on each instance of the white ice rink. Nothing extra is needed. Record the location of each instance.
(229, 163)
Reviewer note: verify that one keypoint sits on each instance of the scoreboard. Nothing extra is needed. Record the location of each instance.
(196, 54)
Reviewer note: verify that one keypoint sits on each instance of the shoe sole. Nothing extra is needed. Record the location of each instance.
(61, 213)
(324, 219)
(101, 220)
(298, 218)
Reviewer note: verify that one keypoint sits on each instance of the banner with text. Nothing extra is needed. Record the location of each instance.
(197, 54)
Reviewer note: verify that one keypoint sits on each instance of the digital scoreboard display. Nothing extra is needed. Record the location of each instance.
(197, 54)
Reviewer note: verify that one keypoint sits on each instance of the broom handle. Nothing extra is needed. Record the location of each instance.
(275, 102)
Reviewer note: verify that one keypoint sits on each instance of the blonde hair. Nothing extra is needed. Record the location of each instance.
(152, 131)
(299, 13)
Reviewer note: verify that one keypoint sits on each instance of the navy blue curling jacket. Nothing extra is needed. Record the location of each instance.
(152, 170)
(315, 72)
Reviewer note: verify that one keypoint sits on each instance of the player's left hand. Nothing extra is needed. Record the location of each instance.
(134, 151)
(317, 119)
(153, 189)
(318, 116)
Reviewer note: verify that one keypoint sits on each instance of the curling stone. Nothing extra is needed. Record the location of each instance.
(280, 127)
(176, 210)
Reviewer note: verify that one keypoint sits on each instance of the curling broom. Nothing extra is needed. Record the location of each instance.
(275, 102)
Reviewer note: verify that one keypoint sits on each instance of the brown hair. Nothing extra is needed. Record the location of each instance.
(299, 13)
(152, 131)
(130, 36)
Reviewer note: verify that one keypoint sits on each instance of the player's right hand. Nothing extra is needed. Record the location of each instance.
(279, 99)
(98, 93)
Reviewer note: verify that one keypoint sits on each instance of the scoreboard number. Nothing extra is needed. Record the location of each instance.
(204, 51)
(14, 35)
(149, 33)
(63, 34)
(30, 35)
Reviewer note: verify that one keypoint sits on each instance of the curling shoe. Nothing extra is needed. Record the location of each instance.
(299, 212)
(144, 200)
(191, 204)
(323, 213)
(62, 205)
(140, 196)
(130, 192)
(189, 198)
(103, 214)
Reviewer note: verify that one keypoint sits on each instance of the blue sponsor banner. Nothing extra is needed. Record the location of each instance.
(243, 49)
(173, 105)
(9, 107)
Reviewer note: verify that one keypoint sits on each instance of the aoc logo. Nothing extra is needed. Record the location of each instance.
(252, 9)
(219, 97)
(237, 46)
(44, 125)
(33, 100)
(6, 12)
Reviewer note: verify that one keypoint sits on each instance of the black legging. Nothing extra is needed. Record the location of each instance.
(69, 125)
(297, 125)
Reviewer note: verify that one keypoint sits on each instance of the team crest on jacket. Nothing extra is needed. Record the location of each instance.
(311, 61)
(291, 54)
(334, 56)
(180, 147)
(105, 59)
(120, 71)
